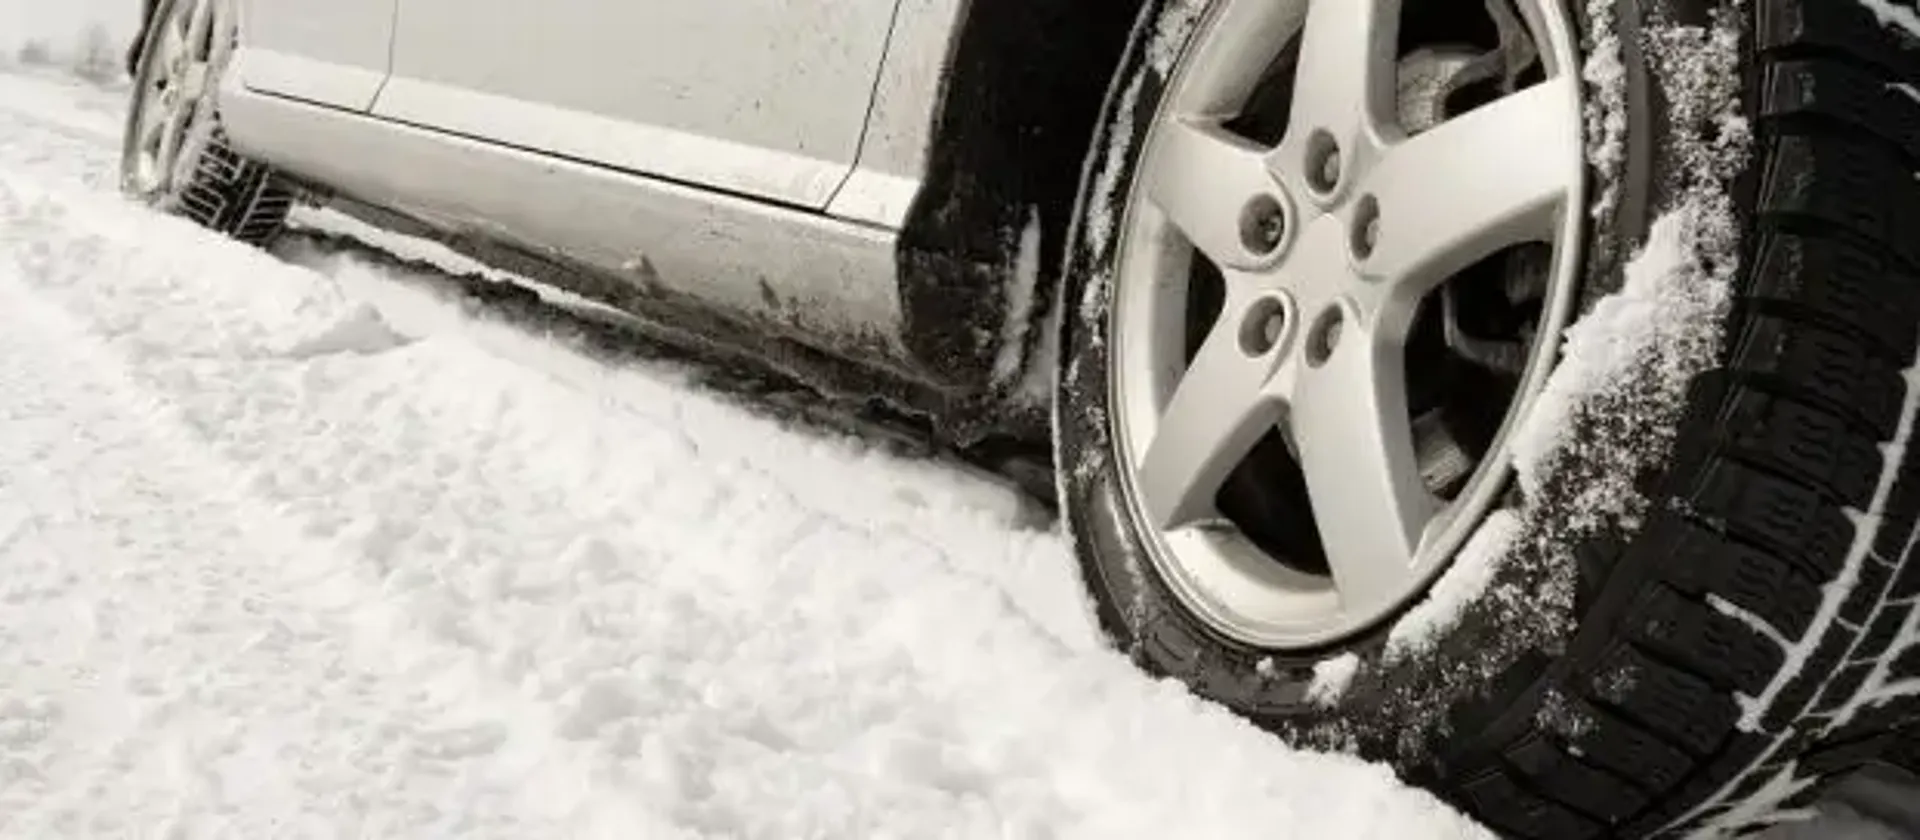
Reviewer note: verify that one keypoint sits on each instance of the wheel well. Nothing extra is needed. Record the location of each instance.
(1024, 87)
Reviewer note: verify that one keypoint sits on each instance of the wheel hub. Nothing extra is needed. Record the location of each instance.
(1391, 184)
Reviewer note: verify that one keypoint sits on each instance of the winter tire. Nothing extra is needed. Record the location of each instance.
(175, 156)
(1335, 444)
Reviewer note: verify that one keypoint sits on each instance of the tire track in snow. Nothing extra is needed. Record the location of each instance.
(163, 686)
(511, 608)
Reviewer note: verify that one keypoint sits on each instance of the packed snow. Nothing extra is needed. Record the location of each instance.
(299, 545)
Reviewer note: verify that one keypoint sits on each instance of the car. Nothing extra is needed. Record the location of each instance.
(1517, 392)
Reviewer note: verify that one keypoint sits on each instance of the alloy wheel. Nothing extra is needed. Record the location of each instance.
(1329, 211)
(188, 45)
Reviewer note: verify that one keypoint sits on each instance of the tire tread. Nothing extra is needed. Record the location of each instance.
(1736, 560)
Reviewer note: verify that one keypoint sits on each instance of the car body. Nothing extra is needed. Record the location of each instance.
(873, 194)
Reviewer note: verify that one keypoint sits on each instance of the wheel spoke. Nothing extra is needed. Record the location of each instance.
(167, 44)
(1497, 176)
(181, 26)
(1236, 52)
(1220, 409)
(1202, 178)
(1349, 423)
(1346, 77)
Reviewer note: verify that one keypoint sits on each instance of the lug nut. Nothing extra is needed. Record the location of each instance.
(1325, 337)
(1263, 225)
(1323, 162)
(1264, 325)
(1366, 227)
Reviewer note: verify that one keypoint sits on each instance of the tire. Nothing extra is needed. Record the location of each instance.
(136, 46)
(215, 186)
(1699, 662)
(237, 197)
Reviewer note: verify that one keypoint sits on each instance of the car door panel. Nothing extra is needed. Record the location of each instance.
(797, 273)
(899, 132)
(334, 53)
(765, 98)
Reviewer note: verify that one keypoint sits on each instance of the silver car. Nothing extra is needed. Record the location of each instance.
(1516, 391)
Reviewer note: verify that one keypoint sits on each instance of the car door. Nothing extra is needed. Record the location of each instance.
(332, 53)
(763, 98)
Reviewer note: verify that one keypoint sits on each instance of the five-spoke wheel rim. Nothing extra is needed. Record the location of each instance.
(1329, 242)
(189, 42)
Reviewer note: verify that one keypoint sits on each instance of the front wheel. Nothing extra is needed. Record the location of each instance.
(1511, 390)
(175, 156)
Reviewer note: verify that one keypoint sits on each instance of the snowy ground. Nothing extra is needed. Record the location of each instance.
(297, 547)
(304, 547)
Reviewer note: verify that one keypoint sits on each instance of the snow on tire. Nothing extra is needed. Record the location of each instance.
(1695, 600)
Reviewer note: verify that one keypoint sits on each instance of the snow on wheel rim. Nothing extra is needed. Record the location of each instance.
(168, 126)
(1329, 243)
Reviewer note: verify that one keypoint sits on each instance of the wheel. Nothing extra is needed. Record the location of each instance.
(1516, 391)
(175, 157)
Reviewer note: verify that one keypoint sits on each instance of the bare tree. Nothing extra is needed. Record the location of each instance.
(99, 59)
(36, 53)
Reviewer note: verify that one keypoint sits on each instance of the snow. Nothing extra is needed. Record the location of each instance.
(1170, 31)
(1765, 806)
(1331, 678)
(1660, 309)
(307, 549)
(1867, 524)
(1629, 359)
(1465, 582)
(1605, 74)
(1881, 686)
(1758, 625)
(1007, 365)
(1893, 15)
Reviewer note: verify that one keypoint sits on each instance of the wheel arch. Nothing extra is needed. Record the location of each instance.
(1013, 123)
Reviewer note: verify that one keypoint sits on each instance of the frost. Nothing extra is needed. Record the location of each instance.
(1606, 78)
(1558, 715)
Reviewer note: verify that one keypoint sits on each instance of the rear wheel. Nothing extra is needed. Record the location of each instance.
(1332, 455)
(175, 156)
